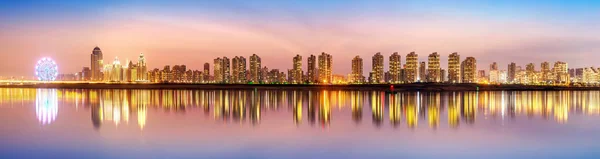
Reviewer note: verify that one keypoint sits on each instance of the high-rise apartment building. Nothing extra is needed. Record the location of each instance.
(512, 72)
(226, 70)
(377, 67)
(411, 67)
(454, 68)
(433, 68)
(357, 70)
(218, 70)
(395, 66)
(255, 66)
(423, 71)
(494, 76)
(561, 73)
(469, 70)
(296, 72)
(206, 73)
(325, 66)
(312, 71)
(545, 72)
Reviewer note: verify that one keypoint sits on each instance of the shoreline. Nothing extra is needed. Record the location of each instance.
(385, 87)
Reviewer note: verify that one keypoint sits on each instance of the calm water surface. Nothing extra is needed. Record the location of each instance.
(72, 123)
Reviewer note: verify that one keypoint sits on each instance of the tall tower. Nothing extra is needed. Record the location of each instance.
(218, 70)
(206, 72)
(226, 70)
(325, 66)
(311, 73)
(255, 66)
(411, 67)
(422, 71)
(433, 69)
(96, 64)
(512, 72)
(357, 70)
(454, 68)
(395, 66)
(234, 70)
(297, 72)
(242, 70)
(377, 67)
(142, 68)
(469, 70)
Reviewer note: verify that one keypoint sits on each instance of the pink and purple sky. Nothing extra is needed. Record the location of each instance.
(195, 32)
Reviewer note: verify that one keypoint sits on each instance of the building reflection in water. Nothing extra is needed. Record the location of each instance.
(117, 107)
(46, 106)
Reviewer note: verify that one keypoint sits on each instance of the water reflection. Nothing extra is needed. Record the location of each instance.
(436, 109)
(46, 106)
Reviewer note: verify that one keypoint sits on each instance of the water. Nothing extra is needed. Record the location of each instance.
(59, 123)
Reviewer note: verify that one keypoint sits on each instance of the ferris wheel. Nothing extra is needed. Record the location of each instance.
(46, 69)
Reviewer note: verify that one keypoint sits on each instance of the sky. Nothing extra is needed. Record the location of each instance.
(196, 32)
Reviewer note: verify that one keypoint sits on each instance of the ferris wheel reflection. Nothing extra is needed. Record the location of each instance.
(46, 105)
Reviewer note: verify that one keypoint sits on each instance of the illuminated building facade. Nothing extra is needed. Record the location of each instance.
(433, 69)
(311, 72)
(296, 72)
(255, 69)
(422, 71)
(395, 66)
(512, 72)
(206, 73)
(411, 67)
(454, 68)
(96, 64)
(377, 68)
(357, 70)
(468, 69)
(325, 66)
(218, 70)
(561, 73)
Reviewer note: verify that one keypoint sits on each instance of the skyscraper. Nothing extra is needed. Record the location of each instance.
(96, 64)
(454, 68)
(255, 66)
(311, 71)
(142, 68)
(512, 72)
(377, 68)
(469, 70)
(422, 71)
(433, 69)
(206, 73)
(241, 70)
(325, 66)
(234, 69)
(226, 70)
(357, 70)
(530, 73)
(411, 67)
(395, 66)
(297, 72)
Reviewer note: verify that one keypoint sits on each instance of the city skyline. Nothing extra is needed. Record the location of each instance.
(345, 29)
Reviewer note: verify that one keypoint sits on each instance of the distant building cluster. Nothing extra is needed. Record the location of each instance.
(115, 71)
(242, 70)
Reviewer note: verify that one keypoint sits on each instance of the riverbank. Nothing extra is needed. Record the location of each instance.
(386, 87)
